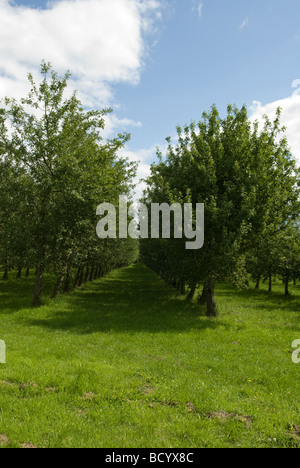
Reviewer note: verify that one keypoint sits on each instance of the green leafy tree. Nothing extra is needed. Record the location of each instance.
(67, 170)
(246, 180)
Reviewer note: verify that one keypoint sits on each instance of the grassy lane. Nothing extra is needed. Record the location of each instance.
(126, 362)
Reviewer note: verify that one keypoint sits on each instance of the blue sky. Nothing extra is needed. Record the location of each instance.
(236, 52)
(159, 63)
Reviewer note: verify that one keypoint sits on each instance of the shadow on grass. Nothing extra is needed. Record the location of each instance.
(17, 294)
(131, 299)
(262, 299)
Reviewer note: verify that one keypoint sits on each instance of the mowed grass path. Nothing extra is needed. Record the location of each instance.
(127, 362)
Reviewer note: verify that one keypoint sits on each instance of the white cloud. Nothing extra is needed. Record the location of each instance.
(290, 118)
(198, 7)
(144, 157)
(244, 23)
(100, 41)
(114, 124)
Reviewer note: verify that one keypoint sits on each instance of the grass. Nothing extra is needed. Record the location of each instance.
(126, 362)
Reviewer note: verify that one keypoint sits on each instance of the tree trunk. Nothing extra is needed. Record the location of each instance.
(192, 292)
(257, 282)
(286, 284)
(6, 268)
(81, 277)
(211, 308)
(91, 275)
(67, 282)
(270, 282)
(76, 282)
(58, 285)
(203, 298)
(27, 272)
(19, 274)
(87, 274)
(38, 286)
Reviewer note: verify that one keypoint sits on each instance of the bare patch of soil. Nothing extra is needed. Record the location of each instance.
(223, 415)
(4, 440)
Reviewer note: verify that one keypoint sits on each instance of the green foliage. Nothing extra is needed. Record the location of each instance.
(56, 169)
(249, 184)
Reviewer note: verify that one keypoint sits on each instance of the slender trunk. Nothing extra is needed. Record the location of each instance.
(286, 284)
(38, 286)
(19, 274)
(41, 254)
(76, 282)
(192, 292)
(203, 298)
(6, 268)
(182, 287)
(87, 274)
(27, 272)
(257, 282)
(58, 286)
(67, 281)
(211, 308)
(81, 276)
(91, 275)
(270, 281)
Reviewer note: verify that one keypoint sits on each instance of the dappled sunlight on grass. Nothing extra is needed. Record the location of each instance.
(129, 300)
(125, 361)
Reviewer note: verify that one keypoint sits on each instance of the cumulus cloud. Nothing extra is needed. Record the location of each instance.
(114, 124)
(100, 41)
(144, 157)
(290, 118)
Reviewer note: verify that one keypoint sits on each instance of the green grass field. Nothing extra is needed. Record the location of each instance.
(127, 362)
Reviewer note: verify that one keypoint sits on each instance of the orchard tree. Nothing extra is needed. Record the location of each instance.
(67, 169)
(289, 256)
(246, 180)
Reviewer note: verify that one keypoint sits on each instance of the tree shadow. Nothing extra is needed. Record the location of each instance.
(262, 299)
(129, 300)
(16, 294)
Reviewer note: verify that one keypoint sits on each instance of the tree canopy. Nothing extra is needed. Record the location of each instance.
(249, 184)
(55, 169)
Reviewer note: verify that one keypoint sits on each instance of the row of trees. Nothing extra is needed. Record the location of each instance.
(249, 183)
(279, 256)
(55, 169)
